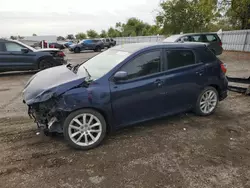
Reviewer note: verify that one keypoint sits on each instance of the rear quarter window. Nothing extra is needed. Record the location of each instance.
(212, 38)
(179, 58)
(205, 55)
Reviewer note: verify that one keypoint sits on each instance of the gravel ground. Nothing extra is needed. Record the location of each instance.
(180, 151)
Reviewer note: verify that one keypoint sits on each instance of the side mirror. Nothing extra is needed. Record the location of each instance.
(25, 50)
(120, 75)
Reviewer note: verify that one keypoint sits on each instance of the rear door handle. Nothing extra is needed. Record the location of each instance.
(200, 72)
(158, 82)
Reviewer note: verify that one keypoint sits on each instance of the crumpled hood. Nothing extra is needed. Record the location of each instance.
(50, 82)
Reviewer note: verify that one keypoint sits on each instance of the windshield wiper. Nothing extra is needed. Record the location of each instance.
(74, 69)
(87, 72)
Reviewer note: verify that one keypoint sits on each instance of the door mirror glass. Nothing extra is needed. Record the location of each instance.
(25, 50)
(120, 75)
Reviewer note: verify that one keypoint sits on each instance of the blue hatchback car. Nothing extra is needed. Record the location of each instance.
(125, 85)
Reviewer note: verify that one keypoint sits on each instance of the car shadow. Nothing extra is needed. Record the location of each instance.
(17, 73)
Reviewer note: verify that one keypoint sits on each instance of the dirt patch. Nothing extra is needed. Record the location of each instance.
(180, 151)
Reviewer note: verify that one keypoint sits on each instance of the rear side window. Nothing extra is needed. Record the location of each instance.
(196, 38)
(107, 40)
(211, 38)
(143, 65)
(180, 58)
(205, 55)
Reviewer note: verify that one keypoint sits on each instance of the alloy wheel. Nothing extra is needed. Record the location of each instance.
(208, 101)
(85, 129)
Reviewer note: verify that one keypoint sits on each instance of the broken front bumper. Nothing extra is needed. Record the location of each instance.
(46, 119)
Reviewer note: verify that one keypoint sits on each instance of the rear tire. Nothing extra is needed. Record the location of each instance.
(45, 64)
(207, 102)
(84, 129)
(98, 49)
(77, 50)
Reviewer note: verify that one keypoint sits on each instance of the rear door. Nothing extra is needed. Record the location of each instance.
(18, 60)
(183, 79)
(89, 44)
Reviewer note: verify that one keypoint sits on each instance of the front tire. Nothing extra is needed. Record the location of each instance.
(207, 102)
(84, 129)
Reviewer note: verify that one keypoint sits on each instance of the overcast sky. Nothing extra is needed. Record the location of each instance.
(61, 17)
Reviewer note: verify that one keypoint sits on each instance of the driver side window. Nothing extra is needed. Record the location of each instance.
(143, 65)
(13, 47)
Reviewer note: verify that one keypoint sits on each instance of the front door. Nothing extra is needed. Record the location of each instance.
(140, 96)
(16, 59)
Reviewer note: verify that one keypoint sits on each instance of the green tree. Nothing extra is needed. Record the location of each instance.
(80, 36)
(103, 34)
(60, 38)
(34, 34)
(13, 37)
(186, 15)
(239, 13)
(113, 32)
(92, 33)
(70, 37)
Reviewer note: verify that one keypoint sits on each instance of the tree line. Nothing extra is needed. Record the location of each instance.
(175, 16)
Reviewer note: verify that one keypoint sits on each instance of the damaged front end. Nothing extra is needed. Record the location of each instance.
(44, 94)
(47, 118)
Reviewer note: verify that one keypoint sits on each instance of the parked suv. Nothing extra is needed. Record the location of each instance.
(125, 85)
(17, 56)
(212, 40)
(109, 42)
(88, 44)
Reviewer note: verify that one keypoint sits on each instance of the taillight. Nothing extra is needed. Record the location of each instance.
(220, 43)
(223, 67)
(61, 54)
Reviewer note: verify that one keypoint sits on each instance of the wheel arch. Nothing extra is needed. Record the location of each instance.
(42, 58)
(102, 112)
(216, 87)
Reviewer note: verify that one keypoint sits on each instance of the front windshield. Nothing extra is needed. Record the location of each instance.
(102, 63)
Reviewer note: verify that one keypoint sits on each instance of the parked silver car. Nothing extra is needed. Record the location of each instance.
(212, 40)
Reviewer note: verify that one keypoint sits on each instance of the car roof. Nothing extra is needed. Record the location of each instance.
(190, 34)
(139, 46)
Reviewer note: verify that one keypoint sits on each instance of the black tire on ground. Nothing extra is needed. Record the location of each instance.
(45, 64)
(198, 107)
(77, 50)
(98, 49)
(75, 114)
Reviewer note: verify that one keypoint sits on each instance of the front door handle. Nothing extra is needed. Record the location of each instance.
(158, 82)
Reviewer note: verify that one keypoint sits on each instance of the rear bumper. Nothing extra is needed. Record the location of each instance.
(223, 95)
(60, 61)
